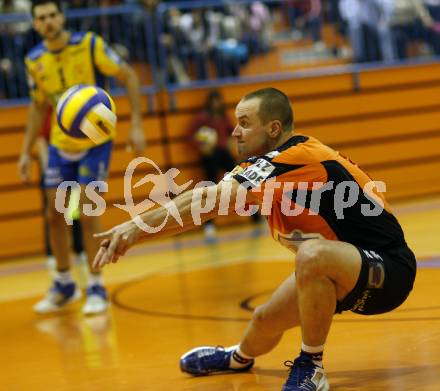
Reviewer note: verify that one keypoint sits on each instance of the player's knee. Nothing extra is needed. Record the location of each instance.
(260, 317)
(309, 260)
(269, 323)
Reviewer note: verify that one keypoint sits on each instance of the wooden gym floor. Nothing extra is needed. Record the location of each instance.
(174, 295)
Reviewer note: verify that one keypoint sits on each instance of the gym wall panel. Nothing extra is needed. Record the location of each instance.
(365, 103)
(189, 99)
(9, 174)
(21, 237)
(22, 200)
(150, 126)
(389, 77)
(121, 157)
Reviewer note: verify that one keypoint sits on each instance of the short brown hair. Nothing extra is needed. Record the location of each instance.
(274, 105)
(36, 3)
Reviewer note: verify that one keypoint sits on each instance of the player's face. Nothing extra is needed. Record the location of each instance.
(251, 135)
(48, 21)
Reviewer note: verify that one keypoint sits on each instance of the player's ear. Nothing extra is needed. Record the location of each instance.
(275, 128)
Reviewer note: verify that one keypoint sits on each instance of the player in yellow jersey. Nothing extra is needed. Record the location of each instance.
(62, 60)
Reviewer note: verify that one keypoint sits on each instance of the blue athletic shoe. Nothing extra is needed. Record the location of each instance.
(97, 301)
(58, 296)
(208, 360)
(305, 375)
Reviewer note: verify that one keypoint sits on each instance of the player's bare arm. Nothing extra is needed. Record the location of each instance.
(36, 115)
(128, 77)
(120, 238)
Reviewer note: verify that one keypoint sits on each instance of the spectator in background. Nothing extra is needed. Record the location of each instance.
(171, 39)
(260, 28)
(433, 8)
(12, 49)
(331, 9)
(111, 27)
(209, 133)
(433, 35)
(406, 23)
(137, 27)
(229, 51)
(306, 15)
(194, 46)
(369, 28)
(16, 6)
(150, 5)
(76, 24)
(227, 35)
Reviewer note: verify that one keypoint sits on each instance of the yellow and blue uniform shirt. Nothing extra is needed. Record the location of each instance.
(86, 59)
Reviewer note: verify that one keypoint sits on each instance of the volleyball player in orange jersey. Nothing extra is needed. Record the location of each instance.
(350, 250)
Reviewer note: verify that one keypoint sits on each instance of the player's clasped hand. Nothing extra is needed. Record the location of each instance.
(24, 167)
(136, 142)
(115, 243)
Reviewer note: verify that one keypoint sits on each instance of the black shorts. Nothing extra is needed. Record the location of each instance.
(384, 283)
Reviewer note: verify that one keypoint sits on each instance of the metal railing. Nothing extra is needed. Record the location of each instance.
(187, 65)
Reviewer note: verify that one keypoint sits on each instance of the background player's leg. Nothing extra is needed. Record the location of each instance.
(63, 290)
(271, 320)
(77, 239)
(89, 226)
(97, 301)
(93, 167)
(59, 233)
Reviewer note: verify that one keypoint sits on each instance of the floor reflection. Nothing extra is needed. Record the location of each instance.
(90, 340)
(232, 382)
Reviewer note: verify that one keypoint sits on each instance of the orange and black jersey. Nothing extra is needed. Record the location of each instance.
(314, 192)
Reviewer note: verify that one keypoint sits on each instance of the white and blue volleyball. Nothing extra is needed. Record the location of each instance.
(87, 111)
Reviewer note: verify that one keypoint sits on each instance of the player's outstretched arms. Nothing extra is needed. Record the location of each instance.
(185, 212)
(115, 243)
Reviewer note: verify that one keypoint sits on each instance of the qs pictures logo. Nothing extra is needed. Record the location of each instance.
(163, 185)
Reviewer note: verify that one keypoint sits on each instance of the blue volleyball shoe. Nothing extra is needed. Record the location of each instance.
(207, 360)
(97, 300)
(58, 296)
(304, 375)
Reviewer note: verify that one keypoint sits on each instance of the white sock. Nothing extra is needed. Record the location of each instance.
(64, 277)
(315, 353)
(238, 358)
(95, 279)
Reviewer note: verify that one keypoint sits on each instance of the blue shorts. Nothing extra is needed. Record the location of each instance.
(81, 167)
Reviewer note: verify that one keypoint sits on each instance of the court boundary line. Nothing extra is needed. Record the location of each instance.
(244, 304)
